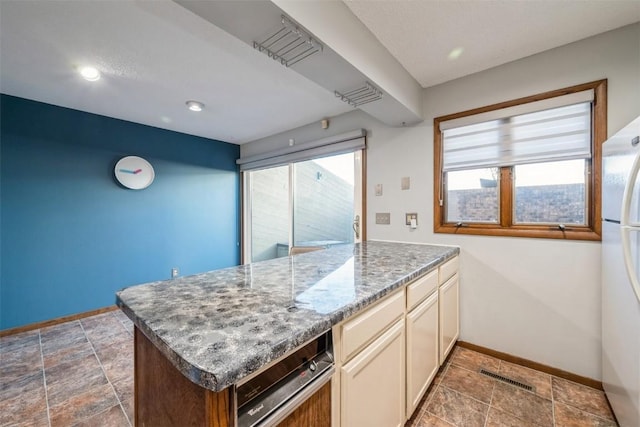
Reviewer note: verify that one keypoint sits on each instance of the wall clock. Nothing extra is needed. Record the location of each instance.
(134, 172)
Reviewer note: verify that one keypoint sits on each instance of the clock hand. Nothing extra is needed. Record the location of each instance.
(137, 171)
(127, 171)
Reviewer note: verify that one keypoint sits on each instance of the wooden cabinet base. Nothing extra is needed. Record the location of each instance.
(314, 412)
(165, 397)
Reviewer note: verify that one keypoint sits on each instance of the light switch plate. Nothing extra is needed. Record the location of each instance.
(383, 218)
(405, 183)
(378, 189)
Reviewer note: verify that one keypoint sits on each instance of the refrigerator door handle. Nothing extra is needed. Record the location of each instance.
(626, 228)
(628, 259)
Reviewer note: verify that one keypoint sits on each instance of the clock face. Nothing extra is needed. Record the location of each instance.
(134, 172)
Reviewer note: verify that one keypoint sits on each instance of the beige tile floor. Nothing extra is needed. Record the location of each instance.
(80, 373)
(460, 396)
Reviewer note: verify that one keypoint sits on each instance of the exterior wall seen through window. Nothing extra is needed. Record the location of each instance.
(528, 167)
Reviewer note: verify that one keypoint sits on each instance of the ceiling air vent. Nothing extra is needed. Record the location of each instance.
(289, 44)
(360, 96)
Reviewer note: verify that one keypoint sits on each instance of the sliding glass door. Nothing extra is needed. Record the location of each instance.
(269, 213)
(309, 203)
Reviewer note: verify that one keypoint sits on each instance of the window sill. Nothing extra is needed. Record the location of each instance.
(540, 232)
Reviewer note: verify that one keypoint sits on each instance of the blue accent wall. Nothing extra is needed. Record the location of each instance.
(71, 236)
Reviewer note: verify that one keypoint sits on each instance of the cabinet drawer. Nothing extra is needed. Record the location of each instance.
(363, 328)
(448, 269)
(421, 288)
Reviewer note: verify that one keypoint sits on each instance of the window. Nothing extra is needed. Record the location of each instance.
(528, 167)
(308, 195)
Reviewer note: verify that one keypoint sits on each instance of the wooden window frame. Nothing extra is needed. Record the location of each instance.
(505, 226)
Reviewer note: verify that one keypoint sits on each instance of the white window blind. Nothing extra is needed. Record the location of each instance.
(505, 139)
(337, 144)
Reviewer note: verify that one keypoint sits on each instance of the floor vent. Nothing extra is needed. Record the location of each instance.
(506, 380)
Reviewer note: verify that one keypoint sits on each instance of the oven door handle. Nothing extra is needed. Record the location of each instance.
(298, 399)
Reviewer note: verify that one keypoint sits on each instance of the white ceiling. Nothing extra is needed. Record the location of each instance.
(155, 55)
(421, 34)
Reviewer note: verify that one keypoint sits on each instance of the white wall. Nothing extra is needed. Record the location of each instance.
(534, 298)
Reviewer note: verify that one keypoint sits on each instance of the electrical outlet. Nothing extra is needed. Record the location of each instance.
(174, 272)
(383, 218)
(379, 190)
(409, 217)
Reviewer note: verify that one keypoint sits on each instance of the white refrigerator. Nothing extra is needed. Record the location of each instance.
(621, 273)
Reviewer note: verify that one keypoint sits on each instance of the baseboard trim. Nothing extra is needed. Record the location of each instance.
(534, 365)
(56, 321)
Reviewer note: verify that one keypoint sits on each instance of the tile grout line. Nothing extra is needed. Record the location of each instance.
(553, 401)
(437, 386)
(105, 374)
(493, 389)
(464, 395)
(582, 410)
(570, 403)
(429, 400)
(44, 378)
(531, 392)
(474, 371)
(452, 362)
(122, 323)
(424, 410)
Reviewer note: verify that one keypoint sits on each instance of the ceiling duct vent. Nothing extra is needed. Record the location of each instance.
(363, 95)
(289, 44)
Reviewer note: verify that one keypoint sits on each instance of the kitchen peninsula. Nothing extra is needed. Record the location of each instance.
(218, 327)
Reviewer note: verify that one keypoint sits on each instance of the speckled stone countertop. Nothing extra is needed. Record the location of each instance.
(217, 327)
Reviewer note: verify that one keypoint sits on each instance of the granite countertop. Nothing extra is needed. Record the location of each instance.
(217, 327)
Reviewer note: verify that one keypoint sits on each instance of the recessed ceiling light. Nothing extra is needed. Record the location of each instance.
(195, 105)
(90, 73)
(455, 53)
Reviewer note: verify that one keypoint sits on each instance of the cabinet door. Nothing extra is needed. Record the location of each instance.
(449, 318)
(373, 383)
(422, 350)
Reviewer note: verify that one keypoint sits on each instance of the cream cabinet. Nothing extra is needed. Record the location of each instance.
(448, 301)
(371, 361)
(387, 355)
(372, 385)
(363, 328)
(422, 349)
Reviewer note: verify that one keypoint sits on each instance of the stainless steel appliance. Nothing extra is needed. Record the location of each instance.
(620, 273)
(269, 397)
